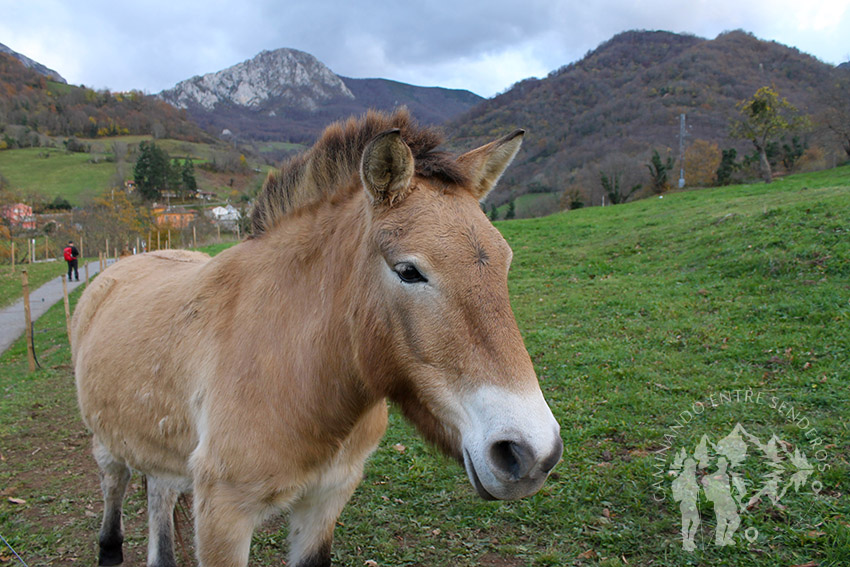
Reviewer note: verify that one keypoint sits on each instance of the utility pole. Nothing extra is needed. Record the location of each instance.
(681, 150)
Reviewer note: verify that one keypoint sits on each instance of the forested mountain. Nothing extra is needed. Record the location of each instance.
(32, 106)
(626, 97)
(34, 65)
(289, 95)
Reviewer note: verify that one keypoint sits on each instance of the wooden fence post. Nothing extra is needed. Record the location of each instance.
(67, 306)
(87, 272)
(13, 256)
(28, 319)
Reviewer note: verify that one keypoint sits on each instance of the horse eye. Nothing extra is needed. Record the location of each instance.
(409, 274)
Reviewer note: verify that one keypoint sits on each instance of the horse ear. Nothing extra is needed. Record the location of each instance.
(487, 163)
(386, 168)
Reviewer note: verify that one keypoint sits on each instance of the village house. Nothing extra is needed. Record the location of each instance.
(174, 217)
(226, 216)
(18, 216)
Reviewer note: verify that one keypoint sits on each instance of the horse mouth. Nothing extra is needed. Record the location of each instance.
(473, 476)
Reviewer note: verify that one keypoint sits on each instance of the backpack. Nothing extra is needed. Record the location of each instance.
(69, 254)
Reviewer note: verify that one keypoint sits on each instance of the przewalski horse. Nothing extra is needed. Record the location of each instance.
(258, 379)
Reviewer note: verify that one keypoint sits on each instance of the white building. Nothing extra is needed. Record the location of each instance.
(227, 216)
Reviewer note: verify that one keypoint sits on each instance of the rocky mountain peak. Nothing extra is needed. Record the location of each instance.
(287, 76)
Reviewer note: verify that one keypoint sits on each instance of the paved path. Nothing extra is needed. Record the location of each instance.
(12, 318)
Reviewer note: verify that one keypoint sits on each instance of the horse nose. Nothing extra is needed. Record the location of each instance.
(516, 460)
(554, 456)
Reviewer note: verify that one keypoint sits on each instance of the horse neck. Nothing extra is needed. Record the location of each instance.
(324, 252)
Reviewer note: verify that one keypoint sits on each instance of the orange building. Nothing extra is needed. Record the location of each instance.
(175, 217)
(19, 216)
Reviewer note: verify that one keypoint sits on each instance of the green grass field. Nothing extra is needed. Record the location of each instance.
(531, 205)
(276, 146)
(78, 177)
(651, 325)
(69, 175)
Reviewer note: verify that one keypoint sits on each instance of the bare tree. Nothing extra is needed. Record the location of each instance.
(620, 178)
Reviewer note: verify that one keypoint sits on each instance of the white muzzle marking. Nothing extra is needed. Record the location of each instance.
(510, 442)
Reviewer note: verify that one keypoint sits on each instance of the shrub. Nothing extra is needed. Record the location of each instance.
(702, 160)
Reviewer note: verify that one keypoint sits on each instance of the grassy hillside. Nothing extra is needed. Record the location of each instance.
(634, 315)
(531, 205)
(53, 172)
(74, 176)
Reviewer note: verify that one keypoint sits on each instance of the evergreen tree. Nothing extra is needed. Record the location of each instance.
(494, 213)
(187, 172)
(511, 212)
(727, 166)
(792, 152)
(175, 178)
(151, 171)
(659, 172)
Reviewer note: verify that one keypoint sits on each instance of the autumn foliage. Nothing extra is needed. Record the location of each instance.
(702, 158)
(36, 105)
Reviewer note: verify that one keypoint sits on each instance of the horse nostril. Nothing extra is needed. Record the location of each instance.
(511, 459)
(549, 462)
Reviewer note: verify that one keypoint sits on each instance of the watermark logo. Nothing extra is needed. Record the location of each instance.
(736, 472)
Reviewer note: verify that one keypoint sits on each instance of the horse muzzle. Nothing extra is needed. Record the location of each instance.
(510, 447)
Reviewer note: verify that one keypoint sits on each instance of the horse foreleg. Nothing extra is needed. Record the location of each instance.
(315, 511)
(162, 497)
(114, 477)
(224, 523)
(313, 516)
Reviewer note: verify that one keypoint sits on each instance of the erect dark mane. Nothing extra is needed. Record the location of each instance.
(334, 159)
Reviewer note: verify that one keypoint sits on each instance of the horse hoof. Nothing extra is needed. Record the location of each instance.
(110, 556)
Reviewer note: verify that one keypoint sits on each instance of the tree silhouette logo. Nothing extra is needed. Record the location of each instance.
(717, 470)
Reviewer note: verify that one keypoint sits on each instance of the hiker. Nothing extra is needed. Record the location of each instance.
(71, 254)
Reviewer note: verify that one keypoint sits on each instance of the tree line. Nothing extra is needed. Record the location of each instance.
(776, 130)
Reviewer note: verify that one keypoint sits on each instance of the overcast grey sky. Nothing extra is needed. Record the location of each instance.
(482, 46)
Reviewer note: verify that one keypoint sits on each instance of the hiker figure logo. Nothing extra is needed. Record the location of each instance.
(717, 469)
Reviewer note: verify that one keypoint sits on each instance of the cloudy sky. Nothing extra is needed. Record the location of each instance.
(484, 46)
